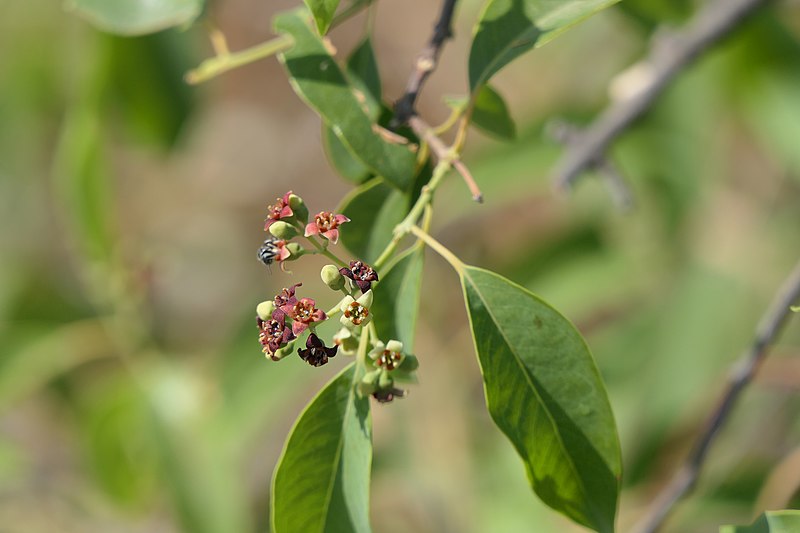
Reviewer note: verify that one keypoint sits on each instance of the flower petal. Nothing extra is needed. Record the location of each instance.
(311, 229)
(332, 235)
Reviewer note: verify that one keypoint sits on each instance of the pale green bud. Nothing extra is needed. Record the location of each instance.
(295, 251)
(298, 208)
(331, 277)
(283, 230)
(264, 310)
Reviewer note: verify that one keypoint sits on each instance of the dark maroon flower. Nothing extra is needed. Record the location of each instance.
(326, 224)
(316, 353)
(274, 333)
(280, 209)
(286, 296)
(303, 312)
(387, 395)
(361, 273)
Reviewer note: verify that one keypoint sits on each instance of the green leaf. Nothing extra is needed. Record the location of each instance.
(544, 392)
(341, 159)
(508, 28)
(396, 302)
(362, 71)
(84, 181)
(769, 522)
(321, 482)
(323, 11)
(147, 86)
(374, 209)
(137, 17)
(491, 114)
(317, 79)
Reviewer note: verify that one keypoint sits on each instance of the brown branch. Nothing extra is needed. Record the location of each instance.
(768, 328)
(443, 153)
(667, 58)
(426, 63)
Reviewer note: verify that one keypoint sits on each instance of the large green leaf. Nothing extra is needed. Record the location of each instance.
(508, 28)
(396, 301)
(317, 79)
(490, 114)
(362, 72)
(374, 209)
(137, 17)
(321, 482)
(544, 392)
(323, 11)
(769, 522)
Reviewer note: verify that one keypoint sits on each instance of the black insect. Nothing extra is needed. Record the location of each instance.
(268, 251)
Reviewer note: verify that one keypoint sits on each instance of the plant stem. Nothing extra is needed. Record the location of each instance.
(222, 63)
(767, 330)
(438, 247)
(225, 61)
(324, 251)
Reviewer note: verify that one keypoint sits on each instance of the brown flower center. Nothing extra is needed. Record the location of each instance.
(303, 311)
(389, 360)
(356, 313)
(325, 221)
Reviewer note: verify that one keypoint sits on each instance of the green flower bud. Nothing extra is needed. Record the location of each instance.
(331, 277)
(298, 208)
(283, 230)
(264, 310)
(295, 251)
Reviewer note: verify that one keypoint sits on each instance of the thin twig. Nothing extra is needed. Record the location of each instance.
(667, 58)
(426, 63)
(619, 189)
(444, 154)
(744, 370)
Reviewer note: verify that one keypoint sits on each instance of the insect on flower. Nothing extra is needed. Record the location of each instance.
(268, 251)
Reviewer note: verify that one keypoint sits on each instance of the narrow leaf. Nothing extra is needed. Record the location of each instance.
(362, 71)
(397, 295)
(137, 17)
(341, 159)
(490, 114)
(544, 392)
(323, 11)
(508, 28)
(321, 482)
(769, 522)
(317, 79)
(374, 209)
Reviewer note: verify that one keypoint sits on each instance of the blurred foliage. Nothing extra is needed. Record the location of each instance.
(133, 393)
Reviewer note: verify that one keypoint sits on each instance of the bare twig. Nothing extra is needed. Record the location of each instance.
(744, 370)
(426, 63)
(667, 58)
(444, 154)
(619, 189)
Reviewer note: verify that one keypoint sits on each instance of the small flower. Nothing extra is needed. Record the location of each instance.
(361, 273)
(388, 356)
(286, 296)
(280, 209)
(303, 312)
(387, 395)
(316, 353)
(346, 341)
(274, 333)
(356, 312)
(326, 224)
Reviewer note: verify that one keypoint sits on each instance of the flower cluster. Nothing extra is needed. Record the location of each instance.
(284, 319)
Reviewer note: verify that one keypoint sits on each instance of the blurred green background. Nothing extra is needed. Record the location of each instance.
(133, 395)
